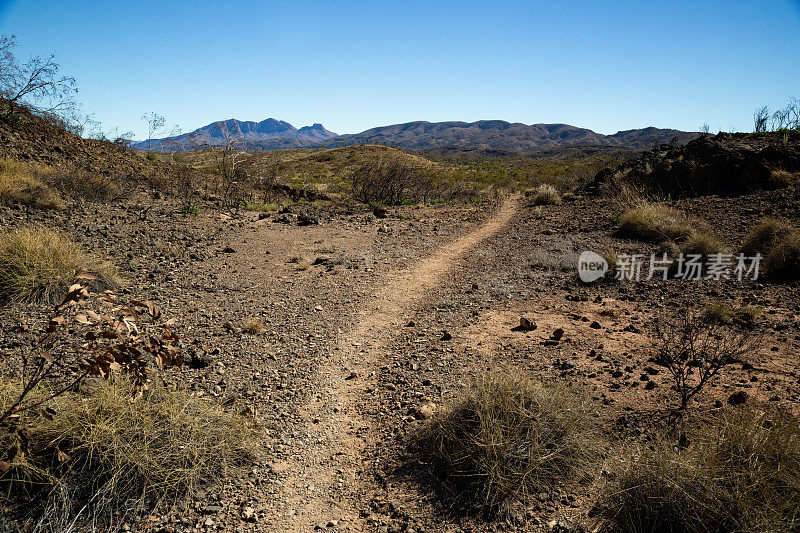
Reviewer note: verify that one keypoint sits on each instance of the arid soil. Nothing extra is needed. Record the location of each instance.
(371, 324)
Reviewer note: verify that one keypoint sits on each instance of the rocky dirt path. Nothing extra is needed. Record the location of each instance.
(326, 484)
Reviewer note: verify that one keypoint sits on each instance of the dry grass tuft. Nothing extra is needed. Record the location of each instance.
(37, 265)
(779, 243)
(721, 312)
(702, 243)
(24, 184)
(503, 439)
(654, 222)
(783, 178)
(115, 455)
(253, 326)
(742, 474)
(546, 195)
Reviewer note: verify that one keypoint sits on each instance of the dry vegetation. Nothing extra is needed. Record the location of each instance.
(654, 222)
(26, 185)
(37, 265)
(505, 438)
(100, 456)
(739, 473)
(779, 244)
(546, 195)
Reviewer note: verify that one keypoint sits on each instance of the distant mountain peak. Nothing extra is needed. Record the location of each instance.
(269, 133)
(272, 134)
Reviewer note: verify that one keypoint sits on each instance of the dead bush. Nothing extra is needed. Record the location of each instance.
(694, 349)
(88, 436)
(79, 183)
(25, 184)
(37, 264)
(504, 438)
(702, 243)
(393, 179)
(253, 326)
(740, 473)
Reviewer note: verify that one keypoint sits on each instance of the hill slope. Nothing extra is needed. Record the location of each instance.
(498, 134)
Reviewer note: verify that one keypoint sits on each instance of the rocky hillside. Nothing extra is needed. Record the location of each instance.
(723, 164)
(27, 137)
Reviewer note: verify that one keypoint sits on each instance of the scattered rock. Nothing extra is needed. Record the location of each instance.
(738, 398)
(525, 324)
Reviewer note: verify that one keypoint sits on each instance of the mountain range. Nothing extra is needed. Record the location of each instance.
(273, 134)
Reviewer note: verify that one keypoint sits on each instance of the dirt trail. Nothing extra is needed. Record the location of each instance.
(322, 483)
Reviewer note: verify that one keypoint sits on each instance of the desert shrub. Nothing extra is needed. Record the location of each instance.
(25, 184)
(102, 450)
(695, 349)
(721, 312)
(742, 473)
(779, 244)
(783, 260)
(783, 178)
(702, 243)
(654, 222)
(504, 438)
(766, 236)
(79, 183)
(546, 195)
(394, 179)
(38, 264)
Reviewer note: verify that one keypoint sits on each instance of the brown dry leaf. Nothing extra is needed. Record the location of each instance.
(82, 319)
(4, 466)
(62, 457)
(86, 275)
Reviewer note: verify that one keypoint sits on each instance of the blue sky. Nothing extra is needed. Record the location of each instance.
(605, 65)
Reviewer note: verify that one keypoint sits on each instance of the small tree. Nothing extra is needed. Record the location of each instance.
(695, 349)
(36, 84)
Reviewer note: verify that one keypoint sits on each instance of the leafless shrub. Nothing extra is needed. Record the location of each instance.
(88, 436)
(761, 119)
(36, 84)
(694, 349)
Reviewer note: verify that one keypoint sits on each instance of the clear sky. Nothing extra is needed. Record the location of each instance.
(605, 65)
